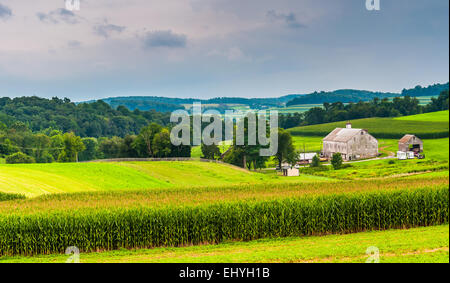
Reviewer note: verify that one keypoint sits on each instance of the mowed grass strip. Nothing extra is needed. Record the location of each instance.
(176, 197)
(387, 128)
(110, 229)
(416, 245)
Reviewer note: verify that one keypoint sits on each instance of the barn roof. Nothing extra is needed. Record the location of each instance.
(342, 135)
(307, 156)
(407, 138)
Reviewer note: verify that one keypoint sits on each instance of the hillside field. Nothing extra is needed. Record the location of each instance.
(441, 116)
(37, 179)
(387, 128)
(194, 211)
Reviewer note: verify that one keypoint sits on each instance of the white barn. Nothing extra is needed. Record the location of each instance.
(351, 143)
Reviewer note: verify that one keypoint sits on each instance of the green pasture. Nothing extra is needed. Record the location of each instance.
(441, 116)
(37, 179)
(429, 244)
(296, 108)
(196, 151)
(388, 128)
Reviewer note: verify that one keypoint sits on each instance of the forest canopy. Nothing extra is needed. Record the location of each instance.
(97, 119)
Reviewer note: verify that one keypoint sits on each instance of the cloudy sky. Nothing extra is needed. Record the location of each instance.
(211, 48)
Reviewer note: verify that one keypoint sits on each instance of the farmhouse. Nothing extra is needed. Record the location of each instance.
(410, 143)
(351, 143)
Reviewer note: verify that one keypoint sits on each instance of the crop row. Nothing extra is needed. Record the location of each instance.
(160, 198)
(191, 225)
(5, 196)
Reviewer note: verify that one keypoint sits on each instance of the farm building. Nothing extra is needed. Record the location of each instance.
(289, 171)
(351, 143)
(410, 143)
(306, 158)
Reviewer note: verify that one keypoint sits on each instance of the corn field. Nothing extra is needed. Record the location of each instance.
(146, 227)
(5, 197)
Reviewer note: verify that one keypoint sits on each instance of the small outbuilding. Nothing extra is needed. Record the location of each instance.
(410, 143)
(289, 171)
(306, 158)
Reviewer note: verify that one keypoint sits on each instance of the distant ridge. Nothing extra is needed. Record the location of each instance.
(168, 104)
(349, 95)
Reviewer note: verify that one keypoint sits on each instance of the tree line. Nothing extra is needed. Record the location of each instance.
(18, 144)
(351, 95)
(338, 111)
(97, 119)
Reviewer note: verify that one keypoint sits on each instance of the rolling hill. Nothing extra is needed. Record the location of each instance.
(38, 179)
(426, 126)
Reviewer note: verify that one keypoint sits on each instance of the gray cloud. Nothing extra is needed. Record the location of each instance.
(59, 16)
(74, 44)
(5, 12)
(164, 39)
(290, 20)
(105, 29)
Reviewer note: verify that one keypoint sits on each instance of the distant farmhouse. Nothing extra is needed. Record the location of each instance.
(351, 143)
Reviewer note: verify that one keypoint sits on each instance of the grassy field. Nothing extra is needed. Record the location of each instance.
(196, 151)
(307, 143)
(388, 128)
(379, 169)
(441, 116)
(160, 198)
(429, 244)
(37, 179)
(123, 206)
(296, 108)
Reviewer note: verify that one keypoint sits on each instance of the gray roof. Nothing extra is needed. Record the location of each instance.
(407, 138)
(307, 156)
(342, 135)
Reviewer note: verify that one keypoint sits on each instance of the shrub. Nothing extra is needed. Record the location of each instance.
(337, 161)
(45, 158)
(19, 157)
(315, 161)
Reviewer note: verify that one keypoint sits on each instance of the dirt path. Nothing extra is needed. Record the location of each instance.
(389, 153)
